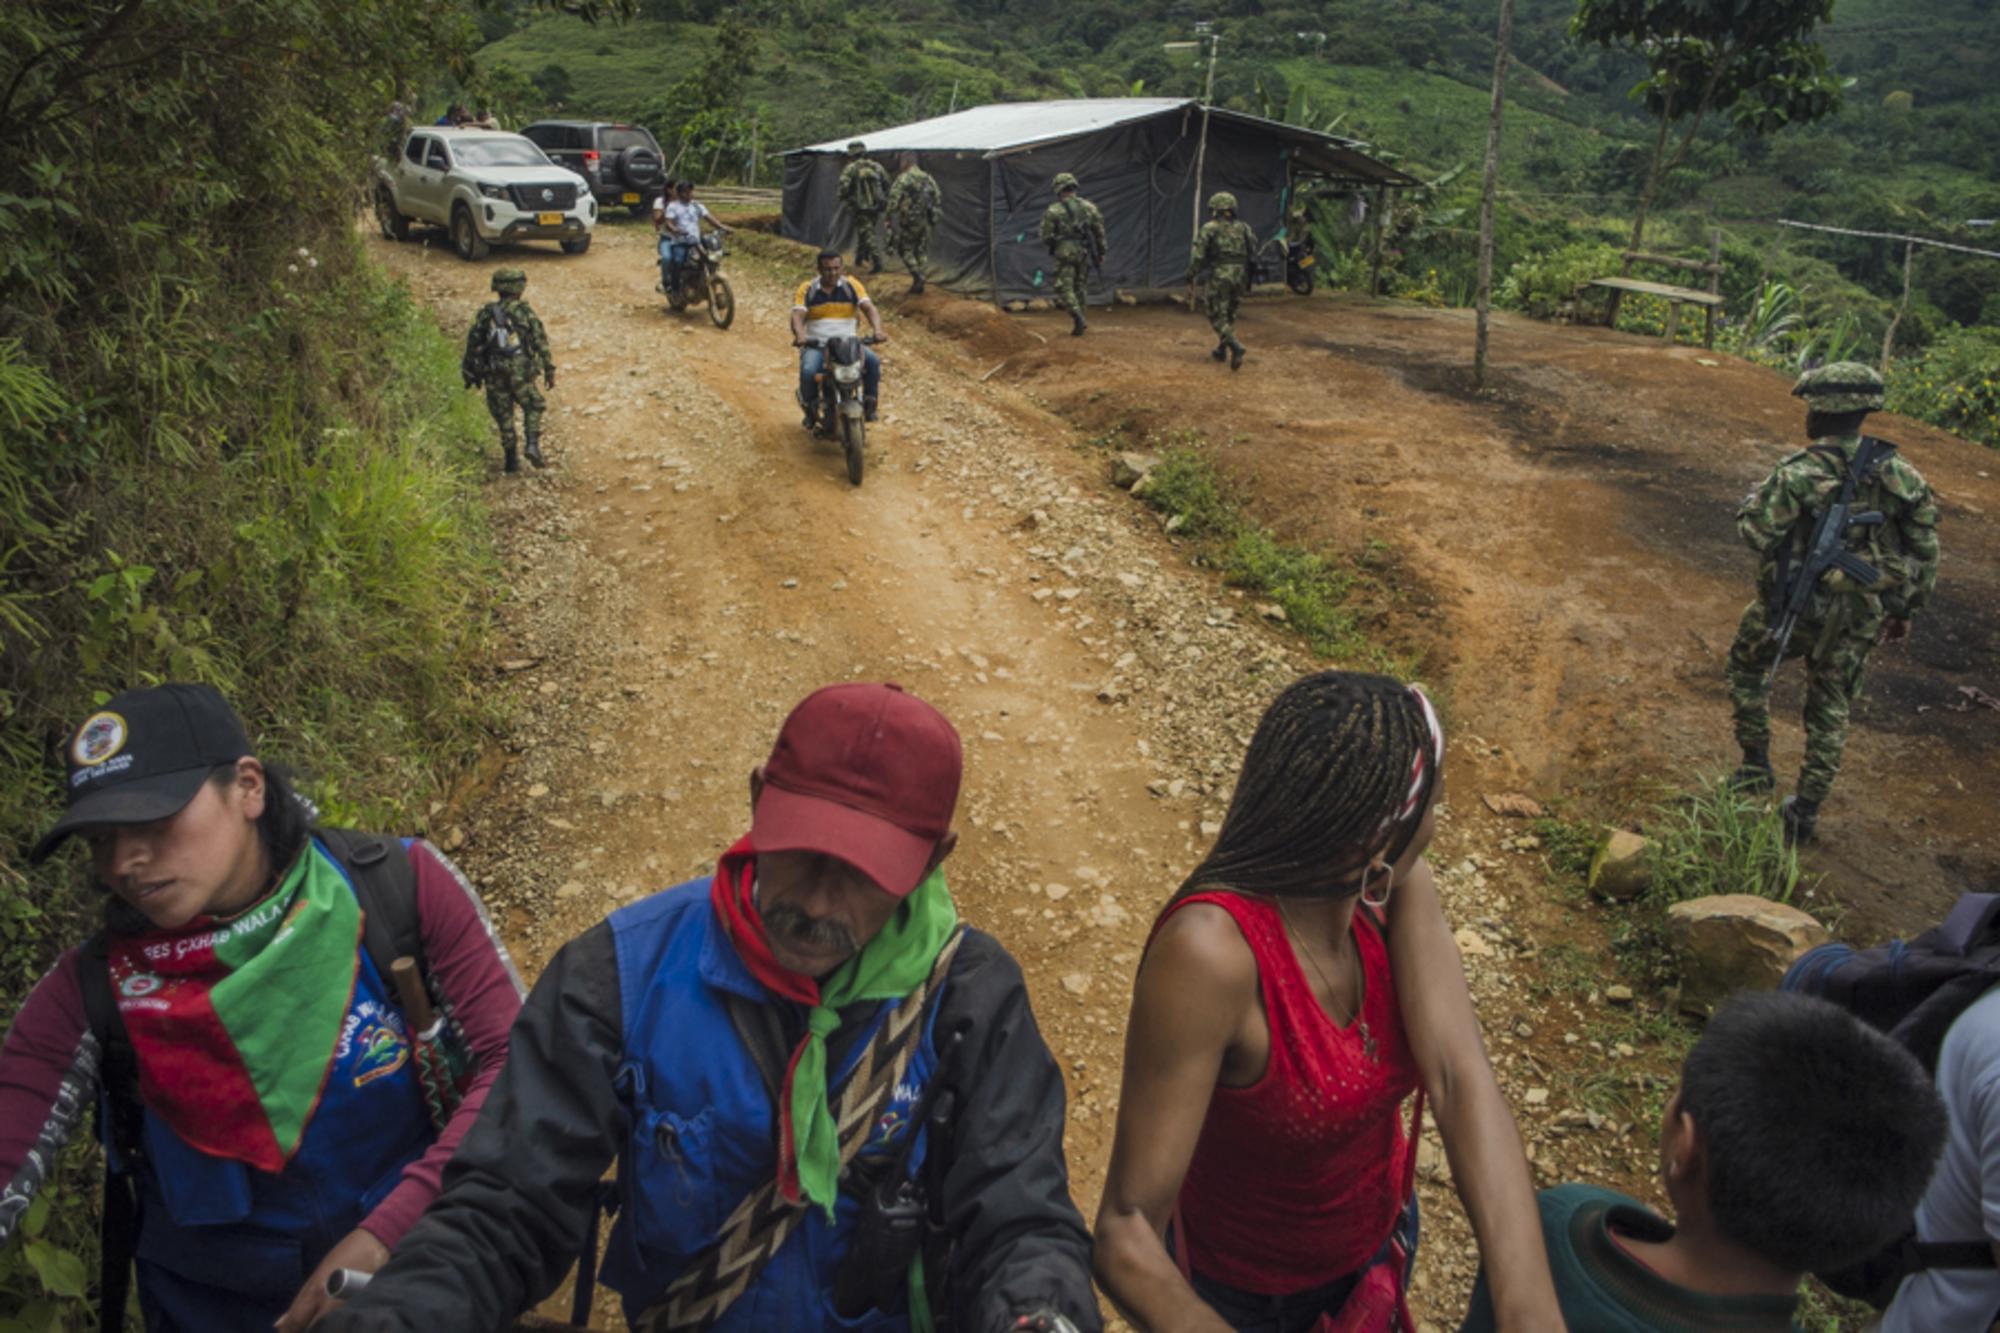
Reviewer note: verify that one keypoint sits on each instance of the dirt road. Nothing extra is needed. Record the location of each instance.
(1566, 552)
(694, 563)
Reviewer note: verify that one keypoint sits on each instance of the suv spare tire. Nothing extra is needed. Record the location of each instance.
(640, 166)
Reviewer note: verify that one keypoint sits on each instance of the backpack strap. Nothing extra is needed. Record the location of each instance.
(120, 1115)
(386, 886)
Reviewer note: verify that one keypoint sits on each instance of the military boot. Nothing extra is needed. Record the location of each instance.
(916, 284)
(1236, 350)
(1078, 324)
(1800, 817)
(533, 449)
(1221, 352)
(513, 463)
(1754, 775)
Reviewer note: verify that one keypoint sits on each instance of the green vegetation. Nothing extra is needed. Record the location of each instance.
(1314, 592)
(230, 449)
(1714, 839)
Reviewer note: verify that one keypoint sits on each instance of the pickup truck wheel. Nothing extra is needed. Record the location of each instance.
(388, 217)
(577, 246)
(465, 237)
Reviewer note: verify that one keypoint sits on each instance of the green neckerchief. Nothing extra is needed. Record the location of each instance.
(894, 963)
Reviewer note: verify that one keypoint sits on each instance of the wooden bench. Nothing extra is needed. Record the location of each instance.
(1676, 297)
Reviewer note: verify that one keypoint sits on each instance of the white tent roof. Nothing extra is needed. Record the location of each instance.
(1004, 125)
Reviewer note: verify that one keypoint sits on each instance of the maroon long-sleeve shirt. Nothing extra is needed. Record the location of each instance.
(49, 1065)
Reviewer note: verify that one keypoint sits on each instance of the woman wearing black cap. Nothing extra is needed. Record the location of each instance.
(278, 1102)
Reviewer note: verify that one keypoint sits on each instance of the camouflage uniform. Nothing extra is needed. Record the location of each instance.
(864, 189)
(1073, 230)
(1224, 247)
(1843, 621)
(915, 205)
(506, 362)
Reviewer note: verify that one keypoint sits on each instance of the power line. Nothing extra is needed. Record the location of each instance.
(1890, 236)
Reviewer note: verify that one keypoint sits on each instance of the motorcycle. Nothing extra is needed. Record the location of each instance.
(838, 412)
(700, 282)
(1300, 256)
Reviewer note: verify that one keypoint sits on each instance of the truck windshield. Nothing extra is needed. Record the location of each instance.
(498, 153)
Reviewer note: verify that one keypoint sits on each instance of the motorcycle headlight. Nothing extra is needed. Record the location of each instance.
(493, 191)
(847, 374)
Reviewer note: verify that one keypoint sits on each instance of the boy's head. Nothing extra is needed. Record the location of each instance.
(1799, 1132)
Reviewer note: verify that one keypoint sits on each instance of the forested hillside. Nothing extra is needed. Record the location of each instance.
(1913, 148)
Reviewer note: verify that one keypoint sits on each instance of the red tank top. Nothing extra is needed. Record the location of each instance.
(1297, 1178)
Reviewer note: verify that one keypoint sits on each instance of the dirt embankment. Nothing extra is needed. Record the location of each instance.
(694, 563)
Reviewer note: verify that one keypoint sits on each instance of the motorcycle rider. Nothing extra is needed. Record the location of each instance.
(678, 223)
(826, 307)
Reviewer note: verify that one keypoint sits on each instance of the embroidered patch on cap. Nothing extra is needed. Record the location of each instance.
(101, 736)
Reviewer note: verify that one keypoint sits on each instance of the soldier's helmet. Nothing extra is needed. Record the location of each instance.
(856, 146)
(1222, 201)
(1844, 386)
(509, 280)
(1064, 181)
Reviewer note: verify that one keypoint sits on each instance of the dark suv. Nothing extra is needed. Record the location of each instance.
(623, 163)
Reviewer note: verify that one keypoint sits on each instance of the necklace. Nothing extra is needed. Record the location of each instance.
(1359, 1019)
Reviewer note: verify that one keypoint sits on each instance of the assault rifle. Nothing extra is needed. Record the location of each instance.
(1825, 551)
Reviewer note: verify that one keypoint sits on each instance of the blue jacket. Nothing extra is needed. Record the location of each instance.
(647, 1041)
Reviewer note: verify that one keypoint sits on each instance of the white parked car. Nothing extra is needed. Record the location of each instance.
(484, 186)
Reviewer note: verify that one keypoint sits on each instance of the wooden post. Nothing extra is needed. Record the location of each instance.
(1714, 285)
(1201, 151)
(1375, 246)
(1488, 189)
(1889, 338)
(756, 122)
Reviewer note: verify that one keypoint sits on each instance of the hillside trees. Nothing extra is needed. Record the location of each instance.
(1756, 63)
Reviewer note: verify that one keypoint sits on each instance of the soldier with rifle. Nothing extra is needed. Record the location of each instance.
(1846, 536)
(1073, 231)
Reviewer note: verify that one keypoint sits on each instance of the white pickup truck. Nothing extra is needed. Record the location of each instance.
(484, 186)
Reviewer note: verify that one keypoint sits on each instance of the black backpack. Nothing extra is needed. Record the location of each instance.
(386, 887)
(1914, 991)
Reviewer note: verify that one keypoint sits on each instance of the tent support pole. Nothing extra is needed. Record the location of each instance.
(993, 229)
(1201, 150)
(1375, 243)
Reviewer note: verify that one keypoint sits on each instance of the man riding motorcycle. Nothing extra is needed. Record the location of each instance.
(826, 308)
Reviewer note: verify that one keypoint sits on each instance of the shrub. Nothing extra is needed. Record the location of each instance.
(1541, 284)
(1955, 384)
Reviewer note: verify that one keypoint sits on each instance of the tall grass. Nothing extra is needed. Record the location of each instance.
(1715, 840)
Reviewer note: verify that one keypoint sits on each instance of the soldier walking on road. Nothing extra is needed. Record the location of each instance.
(864, 189)
(915, 205)
(1073, 230)
(1224, 248)
(504, 350)
(1842, 621)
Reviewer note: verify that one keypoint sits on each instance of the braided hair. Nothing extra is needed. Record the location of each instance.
(1323, 788)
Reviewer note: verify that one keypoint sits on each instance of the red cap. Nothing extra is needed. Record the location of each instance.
(865, 773)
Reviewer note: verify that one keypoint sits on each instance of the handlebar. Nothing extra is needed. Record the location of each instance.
(821, 343)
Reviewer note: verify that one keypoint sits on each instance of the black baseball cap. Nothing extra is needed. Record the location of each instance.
(143, 756)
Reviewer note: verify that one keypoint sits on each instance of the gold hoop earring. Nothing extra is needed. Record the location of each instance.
(1388, 887)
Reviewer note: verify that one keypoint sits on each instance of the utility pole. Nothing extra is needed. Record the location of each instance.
(1488, 190)
(1207, 30)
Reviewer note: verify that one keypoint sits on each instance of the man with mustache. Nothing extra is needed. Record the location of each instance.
(828, 1099)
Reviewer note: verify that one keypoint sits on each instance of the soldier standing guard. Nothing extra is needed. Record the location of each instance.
(504, 349)
(1224, 248)
(1073, 230)
(864, 188)
(1843, 621)
(915, 205)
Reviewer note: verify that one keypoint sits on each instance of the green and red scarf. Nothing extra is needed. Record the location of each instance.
(235, 1023)
(893, 964)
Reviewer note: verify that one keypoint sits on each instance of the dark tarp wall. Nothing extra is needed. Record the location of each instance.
(1139, 172)
(812, 212)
